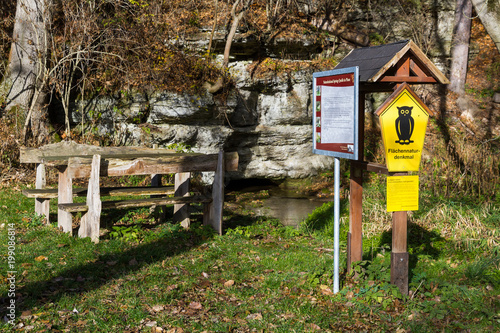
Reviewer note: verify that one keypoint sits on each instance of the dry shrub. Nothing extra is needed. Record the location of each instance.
(461, 168)
(456, 222)
(7, 12)
(126, 45)
(10, 142)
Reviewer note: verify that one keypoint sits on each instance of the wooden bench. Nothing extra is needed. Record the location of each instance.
(83, 161)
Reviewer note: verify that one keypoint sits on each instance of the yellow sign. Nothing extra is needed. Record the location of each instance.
(402, 193)
(403, 119)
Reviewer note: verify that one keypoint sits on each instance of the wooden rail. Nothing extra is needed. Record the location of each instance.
(51, 193)
(75, 207)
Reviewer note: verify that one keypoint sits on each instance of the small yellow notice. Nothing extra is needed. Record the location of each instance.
(402, 193)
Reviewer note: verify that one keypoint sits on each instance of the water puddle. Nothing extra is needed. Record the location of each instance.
(288, 205)
(290, 211)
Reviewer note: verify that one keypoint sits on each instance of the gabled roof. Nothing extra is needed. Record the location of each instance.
(380, 64)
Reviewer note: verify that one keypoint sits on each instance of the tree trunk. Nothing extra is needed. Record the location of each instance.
(237, 16)
(489, 14)
(213, 27)
(460, 50)
(25, 79)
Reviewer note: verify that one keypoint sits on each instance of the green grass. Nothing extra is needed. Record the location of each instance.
(258, 276)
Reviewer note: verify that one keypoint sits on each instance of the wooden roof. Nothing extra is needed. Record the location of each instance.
(398, 62)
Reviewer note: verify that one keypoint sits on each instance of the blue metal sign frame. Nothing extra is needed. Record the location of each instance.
(346, 116)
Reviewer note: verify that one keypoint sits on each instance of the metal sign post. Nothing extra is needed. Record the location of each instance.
(335, 132)
(336, 227)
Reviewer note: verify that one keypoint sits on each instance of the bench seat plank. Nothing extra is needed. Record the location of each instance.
(79, 167)
(50, 193)
(119, 204)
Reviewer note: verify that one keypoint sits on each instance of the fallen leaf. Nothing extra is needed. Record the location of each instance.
(349, 295)
(205, 275)
(205, 284)
(171, 287)
(195, 306)
(229, 283)
(111, 263)
(158, 308)
(41, 258)
(325, 290)
(26, 314)
(255, 316)
(175, 330)
(133, 262)
(315, 327)
(81, 323)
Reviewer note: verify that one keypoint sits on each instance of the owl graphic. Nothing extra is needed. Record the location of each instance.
(404, 125)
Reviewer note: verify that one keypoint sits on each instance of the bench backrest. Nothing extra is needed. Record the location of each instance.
(66, 149)
(122, 161)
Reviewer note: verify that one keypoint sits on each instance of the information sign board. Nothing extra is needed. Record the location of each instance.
(335, 113)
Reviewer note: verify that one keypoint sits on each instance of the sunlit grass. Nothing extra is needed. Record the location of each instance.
(258, 276)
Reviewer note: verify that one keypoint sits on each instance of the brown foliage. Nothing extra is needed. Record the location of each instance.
(10, 142)
(7, 12)
(131, 45)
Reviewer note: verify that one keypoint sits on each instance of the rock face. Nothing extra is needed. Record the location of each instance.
(267, 119)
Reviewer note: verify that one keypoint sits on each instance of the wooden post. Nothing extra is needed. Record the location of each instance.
(65, 195)
(41, 204)
(182, 187)
(216, 207)
(90, 222)
(355, 235)
(399, 254)
(156, 178)
(159, 212)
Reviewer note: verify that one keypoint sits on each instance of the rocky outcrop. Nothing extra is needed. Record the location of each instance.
(266, 118)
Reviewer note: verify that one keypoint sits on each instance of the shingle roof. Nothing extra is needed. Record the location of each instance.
(371, 59)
